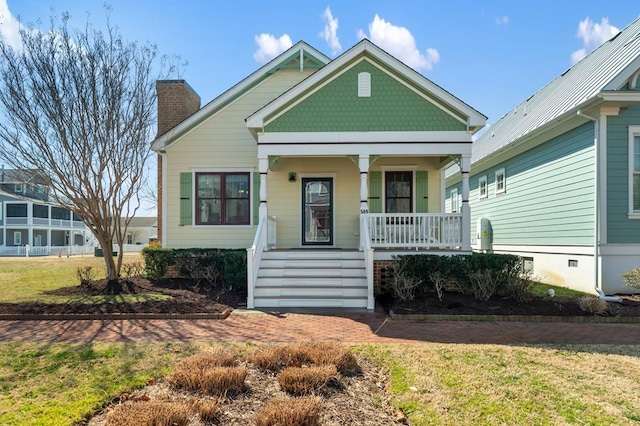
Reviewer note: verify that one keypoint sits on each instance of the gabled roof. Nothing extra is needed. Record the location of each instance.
(608, 68)
(475, 120)
(142, 222)
(287, 59)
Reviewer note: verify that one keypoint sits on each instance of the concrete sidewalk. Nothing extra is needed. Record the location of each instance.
(256, 326)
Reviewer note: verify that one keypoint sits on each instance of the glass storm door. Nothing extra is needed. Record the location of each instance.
(317, 211)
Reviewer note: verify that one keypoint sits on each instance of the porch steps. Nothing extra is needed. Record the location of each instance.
(311, 278)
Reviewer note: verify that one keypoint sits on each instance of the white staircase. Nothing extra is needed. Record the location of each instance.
(311, 278)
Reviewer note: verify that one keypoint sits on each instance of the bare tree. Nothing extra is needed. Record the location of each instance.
(79, 105)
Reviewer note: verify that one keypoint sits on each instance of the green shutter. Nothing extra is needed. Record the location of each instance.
(186, 207)
(422, 192)
(375, 192)
(256, 197)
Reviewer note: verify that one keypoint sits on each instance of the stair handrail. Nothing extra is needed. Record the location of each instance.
(254, 256)
(365, 244)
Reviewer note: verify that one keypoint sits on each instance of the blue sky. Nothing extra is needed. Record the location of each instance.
(491, 54)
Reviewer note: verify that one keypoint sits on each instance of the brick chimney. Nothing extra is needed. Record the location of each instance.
(176, 101)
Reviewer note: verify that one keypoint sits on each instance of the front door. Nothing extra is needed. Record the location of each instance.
(317, 211)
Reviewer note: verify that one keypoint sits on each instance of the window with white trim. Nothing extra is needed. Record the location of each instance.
(398, 192)
(454, 201)
(634, 171)
(17, 238)
(482, 187)
(501, 181)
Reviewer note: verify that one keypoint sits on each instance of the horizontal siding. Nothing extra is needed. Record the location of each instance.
(222, 141)
(549, 196)
(620, 229)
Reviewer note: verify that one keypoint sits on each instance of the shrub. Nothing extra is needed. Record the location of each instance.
(287, 411)
(207, 409)
(157, 261)
(86, 275)
(520, 288)
(235, 269)
(210, 373)
(632, 278)
(335, 354)
(149, 413)
(133, 269)
(484, 284)
(303, 381)
(276, 357)
(402, 284)
(593, 305)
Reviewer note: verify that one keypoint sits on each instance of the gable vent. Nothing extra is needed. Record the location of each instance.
(364, 85)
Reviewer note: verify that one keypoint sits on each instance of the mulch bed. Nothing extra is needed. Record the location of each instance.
(454, 303)
(186, 298)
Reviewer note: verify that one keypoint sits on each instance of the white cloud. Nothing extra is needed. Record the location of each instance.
(9, 26)
(502, 20)
(269, 46)
(592, 35)
(399, 42)
(330, 32)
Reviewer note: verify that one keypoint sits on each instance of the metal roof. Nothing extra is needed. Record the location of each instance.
(572, 89)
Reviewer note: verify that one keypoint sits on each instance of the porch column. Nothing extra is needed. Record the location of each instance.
(363, 164)
(263, 167)
(465, 167)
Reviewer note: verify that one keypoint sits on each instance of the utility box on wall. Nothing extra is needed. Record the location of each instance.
(484, 233)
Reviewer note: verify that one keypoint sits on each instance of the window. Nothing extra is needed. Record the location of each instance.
(501, 181)
(454, 201)
(16, 210)
(482, 187)
(17, 187)
(129, 239)
(222, 199)
(17, 238)
(398, 192)
(634, 171)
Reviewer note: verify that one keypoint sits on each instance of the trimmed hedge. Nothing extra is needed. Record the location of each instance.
(228, 266)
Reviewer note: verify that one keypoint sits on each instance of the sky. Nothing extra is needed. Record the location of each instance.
(490, 54)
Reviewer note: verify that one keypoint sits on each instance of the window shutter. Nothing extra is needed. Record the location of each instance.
(186, 207)
(256, 197)
(375, 192)
(422, 192)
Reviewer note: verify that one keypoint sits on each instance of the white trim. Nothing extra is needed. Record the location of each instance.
(364, 137)
(334, 189)
(17, 238)
(339, 150)
(454, 196)
(1, 210)
(474, 117)
(634, 131)
(578, 250)
(481, 180)
(500, 171)
(165, 171)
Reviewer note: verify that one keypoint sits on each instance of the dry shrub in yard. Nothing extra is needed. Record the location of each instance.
(285, 411)
(209, 372)
(306, 380)
(276, 357)
(149, 413)
(207, 409)
(593, 305)
(340, 356)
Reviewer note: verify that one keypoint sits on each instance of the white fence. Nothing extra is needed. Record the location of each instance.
(61, 250)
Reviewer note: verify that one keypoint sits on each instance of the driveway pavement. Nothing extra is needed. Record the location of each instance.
(255, 326)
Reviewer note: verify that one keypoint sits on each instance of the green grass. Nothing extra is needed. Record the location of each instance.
(60, 384)
(540, 290)
(25, 280)
(443, 384)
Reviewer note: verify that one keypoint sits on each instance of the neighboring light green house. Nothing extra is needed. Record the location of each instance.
(322, 169)
(558, 177)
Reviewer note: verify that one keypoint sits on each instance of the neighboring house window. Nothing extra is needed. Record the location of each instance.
(398, 192)
(482, 187)
(501, 181)
(454, 201)
(129, 239)
(634, 171)
(222, 198)
(17, 187)
(17, 238)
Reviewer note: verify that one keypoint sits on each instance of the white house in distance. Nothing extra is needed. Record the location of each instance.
(557, 179)
(322, 169)
(29, 219)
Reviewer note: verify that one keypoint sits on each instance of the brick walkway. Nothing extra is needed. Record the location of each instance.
(295, 327)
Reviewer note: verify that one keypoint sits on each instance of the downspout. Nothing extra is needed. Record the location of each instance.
(596, 215)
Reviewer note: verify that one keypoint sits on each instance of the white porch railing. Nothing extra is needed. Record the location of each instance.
(415, 230)
(265, 239)
(365, 246)
(42, 221)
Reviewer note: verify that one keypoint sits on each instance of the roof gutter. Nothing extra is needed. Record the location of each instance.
(596, 215)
